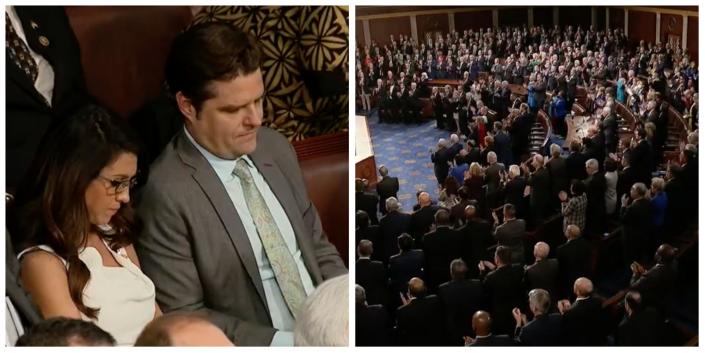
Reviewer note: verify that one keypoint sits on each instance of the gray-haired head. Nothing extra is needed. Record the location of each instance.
(323, 318)
(539, 301)
(392, 204)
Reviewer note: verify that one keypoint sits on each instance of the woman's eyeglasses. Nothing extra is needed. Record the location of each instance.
(118, 186)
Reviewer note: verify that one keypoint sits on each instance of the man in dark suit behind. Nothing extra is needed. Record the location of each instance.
(54, 88)
(405, 265)
(482, 325)
(575, 162)
(657, 284)
(393, 224)
(544, 272)
(366, 201)
(476, 239)
(440, 247)
(540, 183)
(545, 328)
(422, 219)
(420, 319)
(460, 299)
(636, 224)
(584, 321)
(372, 324)
(595, 186)
(641, 326)
(386, 188)
(511, 233)
(370, 274)
(504, 287)
(573, 259)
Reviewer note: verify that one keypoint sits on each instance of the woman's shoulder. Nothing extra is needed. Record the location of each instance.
(40, 257)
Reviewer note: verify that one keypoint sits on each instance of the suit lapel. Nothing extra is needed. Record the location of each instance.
(28, 14)
(206, 177)
(282, 189)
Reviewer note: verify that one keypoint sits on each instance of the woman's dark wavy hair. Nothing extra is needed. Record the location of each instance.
(51, 207)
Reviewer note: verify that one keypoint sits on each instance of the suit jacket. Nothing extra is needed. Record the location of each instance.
(575, 163)
(194, 247)
(558, 170)
(657, 286)
(574, 260)
(440, 247)
(505, 289)
(494, 340)
(540, 183)
(392, 225)
(511, 234)
(643, 328)
(372, 275)
(460, 300)
(420, 323)
(373, 233)
(476, 238)
(584, 323)
(368, 203)
(28, 116)
(386, 188)
(372, 326)
(421, 221)
(544, 274)
(403, 267)
(543, 330)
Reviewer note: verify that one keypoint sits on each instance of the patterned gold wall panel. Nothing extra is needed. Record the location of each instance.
(305, 61)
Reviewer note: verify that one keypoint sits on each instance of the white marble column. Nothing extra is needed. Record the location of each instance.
(495, 18)
(451, 22)
(684, 37)
(414, 29)
(607, 18)
(593, 17)
(658, 27)
(366, 32)
(555, 16)
(626, 22)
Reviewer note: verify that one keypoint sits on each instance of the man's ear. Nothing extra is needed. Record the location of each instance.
(186, 106)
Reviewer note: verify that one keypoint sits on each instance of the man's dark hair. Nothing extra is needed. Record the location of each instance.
(362, 219)
(213, 51)
(577, 187)
(510, 210)
(442, 217)
(458, 269)
(63, 331)
(405, 242)
(504, 254)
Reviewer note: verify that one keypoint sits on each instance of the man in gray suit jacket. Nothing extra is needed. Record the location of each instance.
(228, 227)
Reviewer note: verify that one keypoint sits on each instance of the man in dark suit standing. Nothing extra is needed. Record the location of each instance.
(636, 224)
(476, 238)
(440, 247)
(44, 82)
(545, 328)
(366, 201)
(422, 219)
(584, 321)
(543, 273)
(610, 130)
(420, 319)
(372, 324)
(573, 258)
(575, 162)
(405, 265)
(386, 188)
(511, 233)
(393, 224)
(657, 284)
(482, 325)
(595, 186)
(460, 298)
(641, 157)
(365, 230)
(641, 326)
(370, 274)
(504, 287)
(540, 196)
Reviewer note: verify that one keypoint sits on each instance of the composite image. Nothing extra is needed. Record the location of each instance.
(351, 175)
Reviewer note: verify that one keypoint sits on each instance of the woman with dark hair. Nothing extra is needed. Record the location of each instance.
(76, 225)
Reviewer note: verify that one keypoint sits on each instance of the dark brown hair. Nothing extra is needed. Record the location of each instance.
(51, 205)
(212, 51)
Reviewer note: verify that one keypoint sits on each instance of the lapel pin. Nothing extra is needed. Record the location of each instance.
(33, 24)
(44, 41)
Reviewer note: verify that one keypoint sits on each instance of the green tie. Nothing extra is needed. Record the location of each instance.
(283, 264)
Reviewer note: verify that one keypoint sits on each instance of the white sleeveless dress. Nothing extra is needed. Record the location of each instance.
(124, 295)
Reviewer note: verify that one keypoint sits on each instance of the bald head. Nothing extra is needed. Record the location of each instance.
(470, 211)
(541, 250)
(582, 287)
(572, 231)
(424, 199)
(482, 323)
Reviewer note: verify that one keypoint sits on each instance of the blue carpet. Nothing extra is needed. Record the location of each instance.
(404, 150)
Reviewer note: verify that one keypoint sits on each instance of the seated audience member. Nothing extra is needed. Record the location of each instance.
(393, 224)
(511, 233)
(482, 326)
(323, 320)
(504, 287)
(573, 258)
(584, 321)
(62, 331)
(440, 247)
(370, 274)
(372, 326)
(404, 266)
(545, 328)
(544, 272)
(227, 198)
(657, 284)
(641, 326)
(78, 260)
(461, 298)
(180, 329)
(420, 318)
